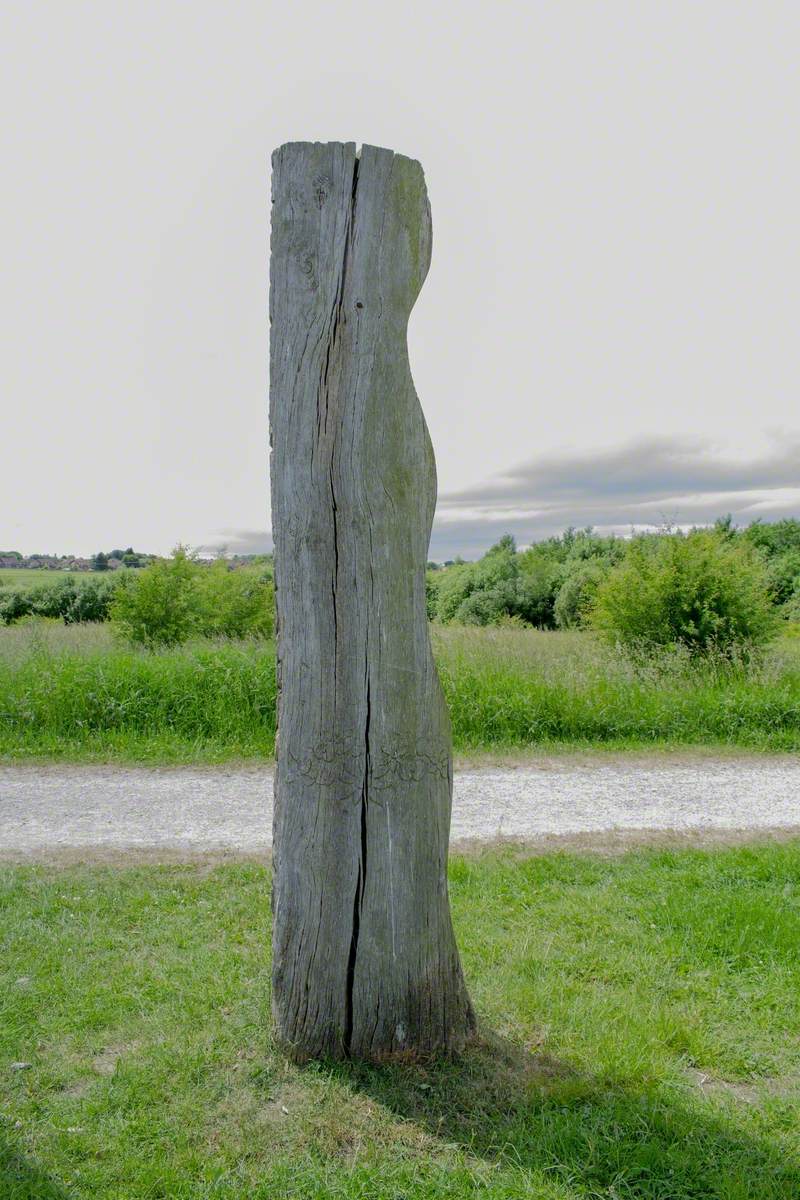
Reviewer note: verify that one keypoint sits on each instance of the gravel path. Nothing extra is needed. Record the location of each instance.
(47, 810)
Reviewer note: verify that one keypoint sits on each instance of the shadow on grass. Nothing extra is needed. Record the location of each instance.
(593, 1136)
(21, 1179)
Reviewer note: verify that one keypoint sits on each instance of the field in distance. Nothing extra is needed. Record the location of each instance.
(36, 576)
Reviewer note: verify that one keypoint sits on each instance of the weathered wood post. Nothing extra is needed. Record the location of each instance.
(365, 962)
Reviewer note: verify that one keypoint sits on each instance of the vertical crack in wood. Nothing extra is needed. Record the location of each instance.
(361, 882)
(334, 578)
(331, 354)
(338, 318)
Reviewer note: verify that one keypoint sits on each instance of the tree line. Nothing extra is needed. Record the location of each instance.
(703, 588)
(165, 603)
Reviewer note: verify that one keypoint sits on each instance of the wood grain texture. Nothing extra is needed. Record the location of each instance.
(365, 962)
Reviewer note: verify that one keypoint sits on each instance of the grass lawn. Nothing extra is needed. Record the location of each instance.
(640, 1039)
(74, 693)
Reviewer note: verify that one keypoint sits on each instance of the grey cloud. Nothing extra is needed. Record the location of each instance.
(240, 541)
(650, 482)
(646, 470)
(646, 483)
(471, 538)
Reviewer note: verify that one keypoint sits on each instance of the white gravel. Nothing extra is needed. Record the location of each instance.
(52, 809)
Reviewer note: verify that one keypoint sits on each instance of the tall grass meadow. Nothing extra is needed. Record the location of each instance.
(79, 692)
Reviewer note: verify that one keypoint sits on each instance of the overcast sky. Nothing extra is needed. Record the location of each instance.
(609, 331)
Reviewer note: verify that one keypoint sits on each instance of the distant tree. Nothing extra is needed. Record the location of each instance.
(235, 603)
(577, 592)
(54, 599)
(71, 598)
(493, 586)
(431, 596)
(552, 582)
(541, 575)
(791, 609)
(174, 599)
(774, 537)
(100, 561)
(456, 583)
(159, 605)
(783, 571)
(14, 604)
(537, 593)
(486, 607)
(724, 526)
(92, 600)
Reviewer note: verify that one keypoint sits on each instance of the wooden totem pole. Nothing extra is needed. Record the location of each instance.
(365, 962)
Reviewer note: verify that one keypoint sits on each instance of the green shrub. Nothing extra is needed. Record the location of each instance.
(577, 593)
(159, 606)
(791, 609)
(545, 566)
(701, 591)
(774, 538)
(457, 582)
(536, 594)
(541, 576)
(783, 572)
(172, 600)
(75, 600)
(498, 565)
(491, 590)
(69, 599)
(91, 600)
(14, 603)
(54, 598)
(585, 546)
(487, 605)
(235, 604)
(505, 585)
(431, 594)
